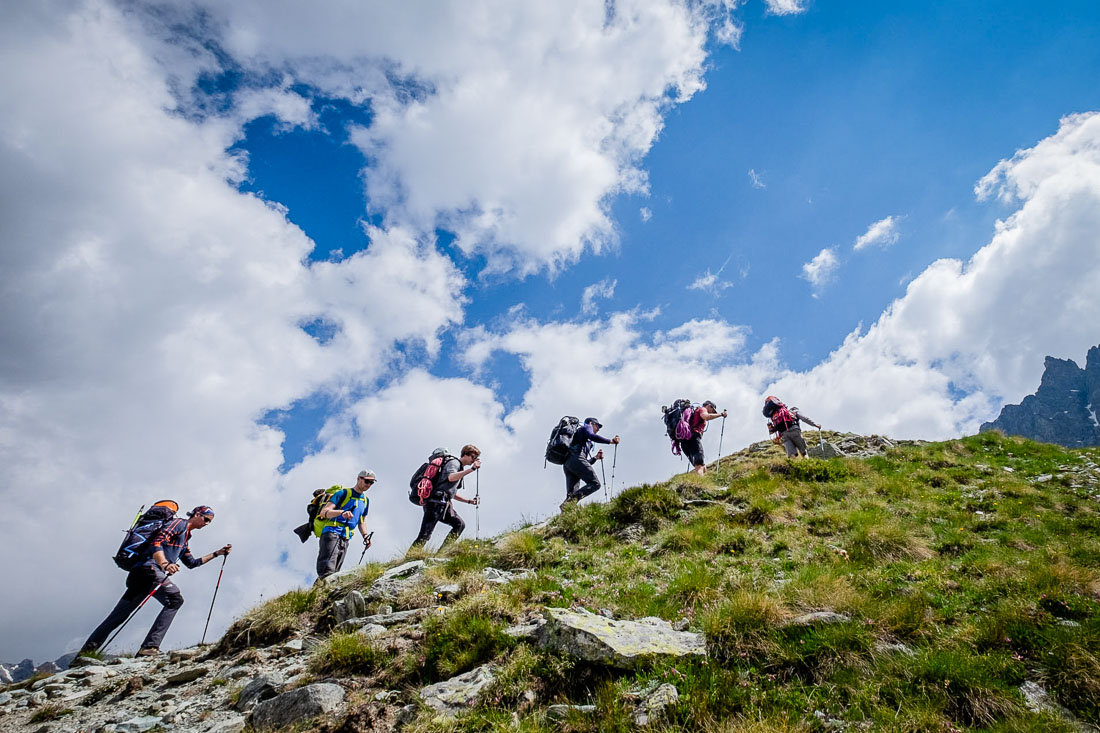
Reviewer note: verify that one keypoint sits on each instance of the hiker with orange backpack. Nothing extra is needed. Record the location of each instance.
(151, 558)
(783, 425)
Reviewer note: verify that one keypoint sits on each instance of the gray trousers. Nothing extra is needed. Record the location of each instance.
(793, 442)
(139, 582)
(330, 558)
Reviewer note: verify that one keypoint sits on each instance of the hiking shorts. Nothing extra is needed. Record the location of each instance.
(693, 449)
(793, 442)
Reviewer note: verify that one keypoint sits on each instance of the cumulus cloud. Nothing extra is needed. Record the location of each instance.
(819, 271)
(786, 7)
(883, 232)
(603, 289)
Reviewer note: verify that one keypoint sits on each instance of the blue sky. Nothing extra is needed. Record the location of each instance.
(295, 242)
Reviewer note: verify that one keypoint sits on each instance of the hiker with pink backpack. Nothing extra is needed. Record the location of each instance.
(685, 425)
(783, 425)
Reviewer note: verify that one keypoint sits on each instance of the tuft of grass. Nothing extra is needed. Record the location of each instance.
(521, 549)
(645, 505)
(583, 522)
(468, 635)
(350, 653)
(466, 555)
(271, 622)
(814, 470)
(737, 627)
(49, 711)
(973, 689)
(879, 537)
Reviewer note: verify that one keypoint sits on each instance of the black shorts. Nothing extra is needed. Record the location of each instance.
(693, 449)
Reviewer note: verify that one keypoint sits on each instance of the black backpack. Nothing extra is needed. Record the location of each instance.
(427, 478)
(135, 546)
(673, 415)
(561, 441)
(771, 406)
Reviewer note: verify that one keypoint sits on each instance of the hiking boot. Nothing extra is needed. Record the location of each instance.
(148, 651)
(569, 500)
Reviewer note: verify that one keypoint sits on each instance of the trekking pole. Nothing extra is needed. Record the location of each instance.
(603, 472)
(218, 585)
(614, 460)
(365, 541)
(821, 438)
(477, 506)
(132, 614)
(720, 436)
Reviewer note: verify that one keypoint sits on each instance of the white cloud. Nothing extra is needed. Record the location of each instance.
(603, 289)
(883, 232)
(819, 271)
(708, 282)
(786, 7)
(755, 179)
(645, 213)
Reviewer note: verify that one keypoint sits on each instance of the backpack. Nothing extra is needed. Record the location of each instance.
(677, 425)
(771, 405)
(426, 479)
(313, 525)
(561, 441)
(778, 415)
(135, 545)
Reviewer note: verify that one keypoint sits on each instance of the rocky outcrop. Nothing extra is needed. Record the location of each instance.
(623, 644)
(1063, 410)
(304, 703)
(458, 693)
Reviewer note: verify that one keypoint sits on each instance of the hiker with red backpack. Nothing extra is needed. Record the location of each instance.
(150, 562)
(345, 510)
(692, 422)
(783, 425)
(435, 487)
(578, 466)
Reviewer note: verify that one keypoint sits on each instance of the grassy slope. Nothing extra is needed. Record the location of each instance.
(961, 580)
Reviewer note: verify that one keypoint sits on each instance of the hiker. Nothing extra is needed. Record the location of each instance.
(578, 467)
(166, 550)
(438, 507)
(783, 425)
(344, 511)
(693, 446)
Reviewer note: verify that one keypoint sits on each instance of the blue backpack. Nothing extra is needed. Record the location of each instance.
(135, 546)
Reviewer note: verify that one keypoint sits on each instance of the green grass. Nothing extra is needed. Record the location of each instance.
(348, 654)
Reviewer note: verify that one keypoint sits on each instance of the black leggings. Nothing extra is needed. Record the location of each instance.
(434, 513)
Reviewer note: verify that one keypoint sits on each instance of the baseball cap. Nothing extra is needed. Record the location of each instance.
(368, 475)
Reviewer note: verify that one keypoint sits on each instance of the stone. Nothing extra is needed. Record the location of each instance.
(559, 713)
(235, 672)
(372, 630)
(188, 675)
(458, 693)
(623, 644)
(37, 698)
(653, 707)
(234, 724)
(448, 592)
(185, 655)
(382, 619)
(293, 646)
(384, 609)
(524, 631)
(499, 577)
(301, 704)
(138, 725)
(353, 605)
(1043, 478)
(817, 617)
(826, 450)
(1038, 701)
(257, 690)
(5, 698)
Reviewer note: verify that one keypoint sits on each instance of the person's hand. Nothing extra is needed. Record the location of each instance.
(171, 568)
(475, 501)
(615, 440)
(346, 515)
(599, 455)
(476, 464)
(366, 540)
(224, 551)
(725, 413)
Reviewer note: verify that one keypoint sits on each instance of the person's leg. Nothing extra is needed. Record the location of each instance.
(788, 445)
(427, 524)
(326, 554)
(584, 470)
(693, 449)
(138, 584)
(571, 482)
(341, 552)
(798, 441)
(170, 597)
(455, 522)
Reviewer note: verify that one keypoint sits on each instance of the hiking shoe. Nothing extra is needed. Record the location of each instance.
(148, 651)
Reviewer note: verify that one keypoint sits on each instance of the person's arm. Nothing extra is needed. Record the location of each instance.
(190, 561)
(597, 438)
(164, 535)
(363, 529)
(707, 417)
(329, 510)
(807, 420)
(475, 501)
(457, 475)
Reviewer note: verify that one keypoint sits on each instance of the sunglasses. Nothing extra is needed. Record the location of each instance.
(367, 480)
(206, 519)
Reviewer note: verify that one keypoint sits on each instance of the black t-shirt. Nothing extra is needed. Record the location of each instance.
(445, 490)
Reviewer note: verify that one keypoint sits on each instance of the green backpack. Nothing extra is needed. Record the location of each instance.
(315, 524)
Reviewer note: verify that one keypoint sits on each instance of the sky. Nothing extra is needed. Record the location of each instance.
(248, 249)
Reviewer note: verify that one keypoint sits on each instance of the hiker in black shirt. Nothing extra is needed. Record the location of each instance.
(439, 505)
(578, 467)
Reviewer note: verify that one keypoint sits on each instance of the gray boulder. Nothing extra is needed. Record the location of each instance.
(823, 450)
(458, 693)
(382, 619)
(234, 724)
(353, 605)
(301, 704)
(818, 617)
(653, 707)
(622, 644)
(188, 675)
(257, 690)
(138, 725)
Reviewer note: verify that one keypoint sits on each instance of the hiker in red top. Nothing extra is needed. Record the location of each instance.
(693, 446)
(783, 425)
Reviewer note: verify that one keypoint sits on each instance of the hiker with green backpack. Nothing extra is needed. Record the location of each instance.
(151, 552)
(341, 511)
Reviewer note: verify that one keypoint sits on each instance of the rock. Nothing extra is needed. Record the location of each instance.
(828, 450)
(5, 698)
(524, 631)
(188, 675)
(185, 655)
(448, 592)
(653, 707)
(894, 648)
(391, 582)
(1043, 478)
(37, 698)
(293, 646)
(353, 605)
(235, 672)
(559, 713)
(621, 644)
(495, 576)
(383, 609)
(301, 704)
(458, 693)
(138, 725)
(817, 617)
(1038, 701)
(372, 630)
(234, 724)
(632, 533)
(257, 690)
(382, 619)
